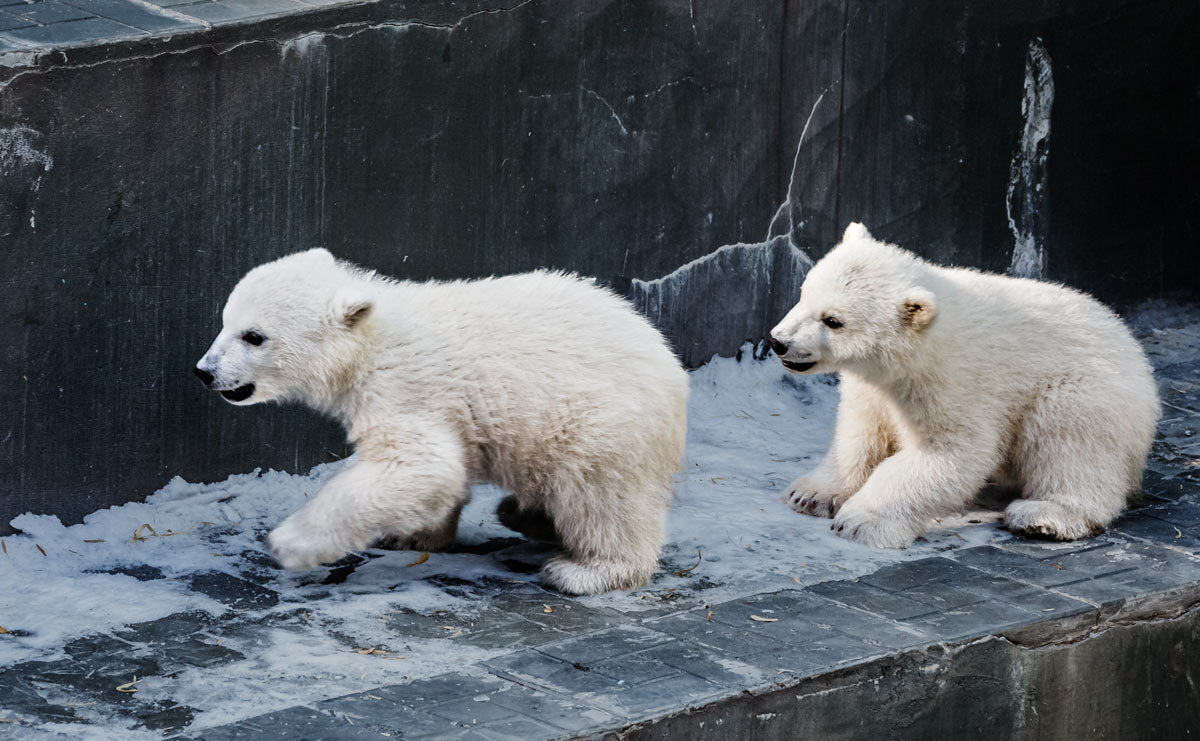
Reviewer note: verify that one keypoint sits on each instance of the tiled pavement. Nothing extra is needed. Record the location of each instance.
(42, 25)
(561, 668)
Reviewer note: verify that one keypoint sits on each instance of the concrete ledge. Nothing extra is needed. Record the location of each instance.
(1123, 679)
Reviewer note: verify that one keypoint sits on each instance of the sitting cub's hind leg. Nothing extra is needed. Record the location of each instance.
(1079, 460)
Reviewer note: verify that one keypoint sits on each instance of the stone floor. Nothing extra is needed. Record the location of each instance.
(549, 666)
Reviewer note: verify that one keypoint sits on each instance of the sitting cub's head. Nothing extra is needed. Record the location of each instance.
(860, 306)
(289, 331)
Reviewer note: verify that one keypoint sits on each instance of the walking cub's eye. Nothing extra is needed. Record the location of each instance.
(253, 338)
(831, 322)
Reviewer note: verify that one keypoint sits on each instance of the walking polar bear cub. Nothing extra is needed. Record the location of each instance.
(541, 383)
(950, 377)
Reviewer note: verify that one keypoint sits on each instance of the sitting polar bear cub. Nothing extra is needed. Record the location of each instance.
(950, 377)
(541, 383)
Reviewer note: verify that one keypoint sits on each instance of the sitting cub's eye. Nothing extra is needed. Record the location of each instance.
(253, 338)
(831, 322)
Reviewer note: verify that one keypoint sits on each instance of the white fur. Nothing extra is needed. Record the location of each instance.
(541, 383)
(951, 377)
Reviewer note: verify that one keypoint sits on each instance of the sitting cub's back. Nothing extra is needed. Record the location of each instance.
(1033, 330)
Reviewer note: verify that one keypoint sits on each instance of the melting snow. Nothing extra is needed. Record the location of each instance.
(753, 428)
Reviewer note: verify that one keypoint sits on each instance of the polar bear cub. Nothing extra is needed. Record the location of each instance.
(541, 383)
(951, 377)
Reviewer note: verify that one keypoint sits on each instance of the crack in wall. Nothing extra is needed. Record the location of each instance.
(597, 96)
(750, 282)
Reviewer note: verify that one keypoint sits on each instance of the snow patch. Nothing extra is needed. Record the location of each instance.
(753, 428)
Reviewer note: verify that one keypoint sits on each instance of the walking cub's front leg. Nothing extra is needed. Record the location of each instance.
(412, 486)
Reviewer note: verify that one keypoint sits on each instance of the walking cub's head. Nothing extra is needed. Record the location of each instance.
(861, 306)
(291, 329)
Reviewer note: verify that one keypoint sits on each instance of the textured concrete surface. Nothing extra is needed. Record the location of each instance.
(695, 154)
(1018, 639)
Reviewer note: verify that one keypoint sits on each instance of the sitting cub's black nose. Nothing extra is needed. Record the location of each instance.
(205, 377)
(777, 347)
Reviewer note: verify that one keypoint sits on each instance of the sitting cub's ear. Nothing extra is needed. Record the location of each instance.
(319, 254)
(919, 308)
(855, 231)
(350, 308)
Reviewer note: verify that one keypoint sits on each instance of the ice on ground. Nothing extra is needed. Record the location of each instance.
(753, 428)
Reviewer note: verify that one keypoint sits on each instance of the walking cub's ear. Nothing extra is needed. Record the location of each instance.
(855, 231)
(350, 308)
(919, 308)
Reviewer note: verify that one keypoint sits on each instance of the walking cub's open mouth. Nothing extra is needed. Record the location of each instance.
(241, 393)
(798, 367)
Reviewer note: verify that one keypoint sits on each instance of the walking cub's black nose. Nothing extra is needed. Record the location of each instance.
(779, 348)
(205, 377)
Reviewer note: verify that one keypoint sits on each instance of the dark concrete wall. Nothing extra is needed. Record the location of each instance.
(1120, 681)
(619, 139)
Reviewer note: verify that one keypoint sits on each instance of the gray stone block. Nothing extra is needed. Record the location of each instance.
(9, 21)
(605, 644)
(872, 599)
(22, 699)
(224, 12)
(972, 621)
(232, 591)
(738, 641)
(1143, 527)
(289, 725)
(560, 712)
(1018, 567)
(512, 635)
(48, 12)
(199, 653)
(1184, 513)
(75, 32)
(634, 669)
(531, 667)
(170, 629)
(939, 596)
(136, 16)
(827, 627)
(565, 614)
(915, 573)
(706, 663)
(660, 695)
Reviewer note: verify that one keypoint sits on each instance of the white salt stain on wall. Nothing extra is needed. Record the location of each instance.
(20, 157)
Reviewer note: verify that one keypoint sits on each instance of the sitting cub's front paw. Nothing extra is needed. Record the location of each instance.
(810, 497)
(298, 548)
(861, 524)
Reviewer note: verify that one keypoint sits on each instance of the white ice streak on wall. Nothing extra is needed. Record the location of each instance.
(1027, 199)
